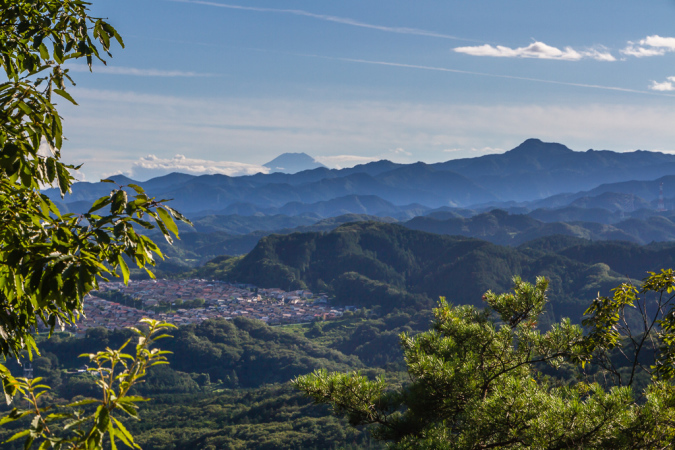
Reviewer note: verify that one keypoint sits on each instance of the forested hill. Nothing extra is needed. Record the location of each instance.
(388, 265)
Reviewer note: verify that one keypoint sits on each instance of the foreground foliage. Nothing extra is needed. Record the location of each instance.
(227, 382)
(49, 261)
(478, 378)
(89, 423)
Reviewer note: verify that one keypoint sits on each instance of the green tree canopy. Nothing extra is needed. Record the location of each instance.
(491, 379)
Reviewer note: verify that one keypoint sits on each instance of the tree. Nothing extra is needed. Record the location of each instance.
(491, 379)
(49, 261)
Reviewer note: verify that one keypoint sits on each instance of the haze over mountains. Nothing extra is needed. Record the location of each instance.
(532, 172)
(536, 189)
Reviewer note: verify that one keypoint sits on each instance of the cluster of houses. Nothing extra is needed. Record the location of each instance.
(220, 301)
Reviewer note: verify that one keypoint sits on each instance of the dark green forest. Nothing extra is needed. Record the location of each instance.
(388, 266)
(228, 382)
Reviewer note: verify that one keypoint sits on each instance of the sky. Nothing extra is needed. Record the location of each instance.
(209, 86)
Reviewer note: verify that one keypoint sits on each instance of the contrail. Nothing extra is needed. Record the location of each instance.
(335, 19)
(484, 74)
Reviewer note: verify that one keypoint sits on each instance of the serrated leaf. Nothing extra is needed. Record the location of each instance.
(100, 203)
(124, 434)
(168, 221)
(18, 435)
(136, 188)
(86, 401)
(124, 267)
(65, 95)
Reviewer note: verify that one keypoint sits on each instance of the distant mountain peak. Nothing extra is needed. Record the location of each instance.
(293, 163)
(536, 147)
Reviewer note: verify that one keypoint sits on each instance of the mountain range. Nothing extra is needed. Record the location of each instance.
(535, 190)
(532, 175)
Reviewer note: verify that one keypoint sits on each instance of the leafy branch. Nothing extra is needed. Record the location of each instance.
(116, 372)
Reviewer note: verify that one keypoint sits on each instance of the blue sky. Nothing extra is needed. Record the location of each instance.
(223, 87)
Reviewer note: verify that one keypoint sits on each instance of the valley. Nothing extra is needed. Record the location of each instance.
(284, 274)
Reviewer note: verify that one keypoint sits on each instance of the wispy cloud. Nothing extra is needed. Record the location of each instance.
(334, 19)
(120, 126)
(152, 166)
(537, 50)
(650, 46)
(484, 74)
(664, 86)
(400, 152)
(132, 71)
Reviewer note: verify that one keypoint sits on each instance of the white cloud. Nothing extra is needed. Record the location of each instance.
(110, 129)
(113, 70)
(452, 150)
(538, 50)
(650, 46)
(664, 86)
(400, 151)
(598, 55)
(642, 52)
(659, 41)
(151, 166)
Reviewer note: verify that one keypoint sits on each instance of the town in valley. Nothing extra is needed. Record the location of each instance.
(163, 300)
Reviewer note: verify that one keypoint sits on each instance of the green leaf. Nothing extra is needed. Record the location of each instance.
(124, 434)
(102, 418)
(125, 269)
(86, 401)
(129, 409)
(119, 201)
(65, 95)
(18, 435)
(168, 220)
(136, 188)
(100, 203)
(111, 432)
(44, 52)
(133, 398)
(178, 215)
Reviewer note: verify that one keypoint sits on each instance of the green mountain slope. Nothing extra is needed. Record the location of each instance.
(390, 266)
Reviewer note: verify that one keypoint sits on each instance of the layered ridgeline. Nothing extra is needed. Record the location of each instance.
(390, 266)
(530, 172)
(500, 227)
(238, 235)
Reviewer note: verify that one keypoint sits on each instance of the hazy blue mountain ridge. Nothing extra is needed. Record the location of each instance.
(533, 175)
(502, 228)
